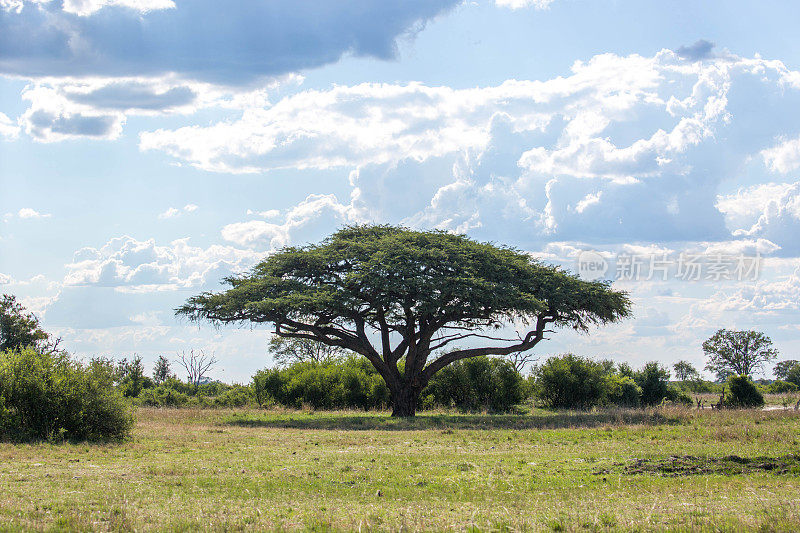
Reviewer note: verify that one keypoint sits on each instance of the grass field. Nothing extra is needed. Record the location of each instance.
(186, 470)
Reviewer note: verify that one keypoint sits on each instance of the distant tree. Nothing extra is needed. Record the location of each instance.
(398, 297)
(654, 381)
(131, 376)
(684, 370)
(196, 365)
(738, 352)
(286, 350)
(161, 370)
(19, 329)
(786, 370)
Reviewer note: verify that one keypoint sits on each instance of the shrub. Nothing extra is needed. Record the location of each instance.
(781, 387)
(622, 391)
(743, 393)
(49, 396)
(348, 383)
(474, 384)
(163, 396)
(654, 382)
(235, 396)
(678, 396)
(570, 382)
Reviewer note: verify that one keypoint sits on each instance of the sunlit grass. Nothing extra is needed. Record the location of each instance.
(256, 470)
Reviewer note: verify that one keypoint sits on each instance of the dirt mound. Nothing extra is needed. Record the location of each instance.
(689, 465)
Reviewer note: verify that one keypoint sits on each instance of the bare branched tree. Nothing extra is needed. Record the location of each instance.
(521, 359)
(196, 365)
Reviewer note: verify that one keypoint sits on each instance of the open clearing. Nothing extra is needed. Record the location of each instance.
(264, 470)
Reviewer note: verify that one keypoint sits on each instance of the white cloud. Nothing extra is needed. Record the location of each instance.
(173, 212)
(27, 212)
(779, 220)
(8, 129)
(588, 201)
(269, 213)
(146, 266)
(88, 7)
(320, 210)
(53, 117)
(750, 202)
(519, 4)
(5, 279)
(784, 157)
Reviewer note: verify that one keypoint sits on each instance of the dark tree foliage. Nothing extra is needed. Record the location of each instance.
(738, 353)
(788, 370)
(743, 393)
(19, 329)
(395, 296)
(47, 395)
(571, 382)
(476, 384)
(654, 382)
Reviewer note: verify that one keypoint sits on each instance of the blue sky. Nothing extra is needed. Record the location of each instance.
(150, 147)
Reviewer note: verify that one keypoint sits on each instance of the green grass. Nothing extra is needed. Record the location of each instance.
(186, 470)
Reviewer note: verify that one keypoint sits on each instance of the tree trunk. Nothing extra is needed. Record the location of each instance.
(404, 401)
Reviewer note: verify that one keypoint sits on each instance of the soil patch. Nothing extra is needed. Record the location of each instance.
(689, 465)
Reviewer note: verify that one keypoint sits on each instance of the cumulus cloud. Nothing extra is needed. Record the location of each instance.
(197, 40)
(624, 148)
(27, 212)
(8, 129)
(382, 123)
(269, 213)
(779, 219)
(784, 157)
(743, 208)
(131, 95)
(519, 4)
(5, 279)
(304, 219)
(701, 49)
(87, 7)
(173, 212)
(52, 117)
(128, 263)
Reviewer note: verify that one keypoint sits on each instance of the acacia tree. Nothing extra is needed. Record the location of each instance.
(409, 301)
(738, 352)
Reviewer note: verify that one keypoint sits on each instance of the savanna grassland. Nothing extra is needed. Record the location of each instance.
(187, 470)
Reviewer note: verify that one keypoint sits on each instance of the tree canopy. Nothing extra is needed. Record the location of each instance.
(409, 301)
(20, 329)
(738, 352)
